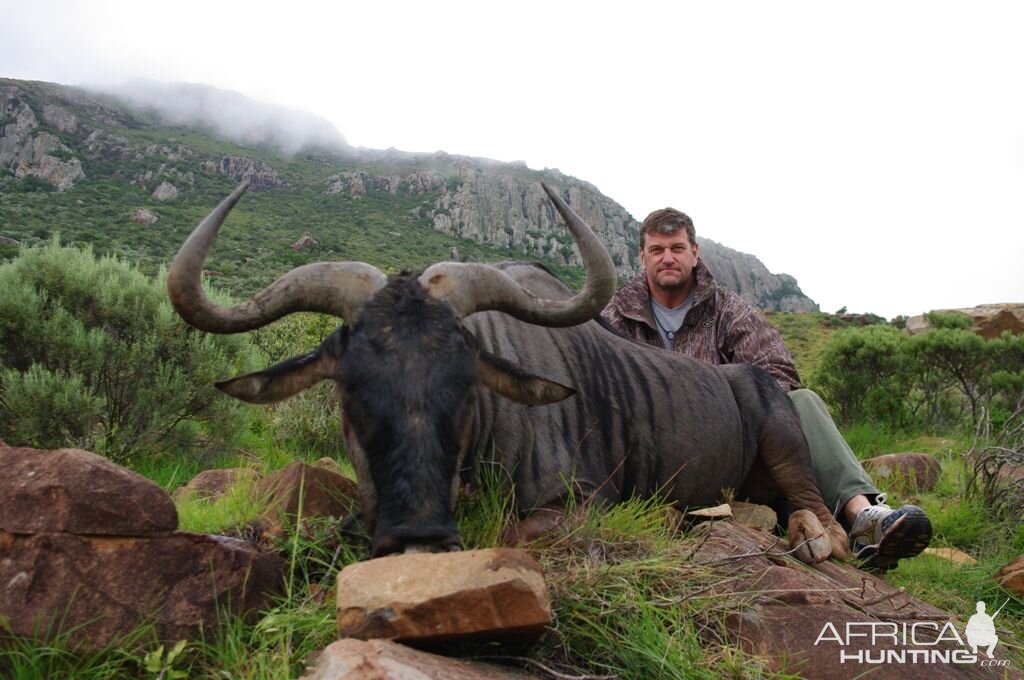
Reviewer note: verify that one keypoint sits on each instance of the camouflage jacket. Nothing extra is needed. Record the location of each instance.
(721, 328)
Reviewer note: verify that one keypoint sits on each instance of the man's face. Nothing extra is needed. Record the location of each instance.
(668, 260)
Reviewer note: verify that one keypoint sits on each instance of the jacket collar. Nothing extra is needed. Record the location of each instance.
(633, 301)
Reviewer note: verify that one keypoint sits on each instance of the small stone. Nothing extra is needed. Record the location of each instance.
(754, 516)
(718, 512)
(213, 484)
(953, 555)
(493, 594)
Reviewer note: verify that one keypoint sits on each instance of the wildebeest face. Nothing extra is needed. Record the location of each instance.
(407, 374)
(407, 379)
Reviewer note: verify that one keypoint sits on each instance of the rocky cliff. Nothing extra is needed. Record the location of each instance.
(166, 156)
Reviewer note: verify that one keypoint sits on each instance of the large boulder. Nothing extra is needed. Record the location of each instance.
(905, 471)
(427, 598)
(1011, 576)
(100, 588)
(75, 491)
(829, 620)
(352, 659)
(301, 490)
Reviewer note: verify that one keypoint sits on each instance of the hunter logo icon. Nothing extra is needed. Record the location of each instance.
(981, 630)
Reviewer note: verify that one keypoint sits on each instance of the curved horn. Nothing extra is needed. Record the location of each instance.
(470, 288)
(337, 288)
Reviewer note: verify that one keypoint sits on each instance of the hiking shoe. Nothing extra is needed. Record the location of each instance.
(881, 536)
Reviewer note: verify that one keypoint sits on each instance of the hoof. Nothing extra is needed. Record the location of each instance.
(808, 540)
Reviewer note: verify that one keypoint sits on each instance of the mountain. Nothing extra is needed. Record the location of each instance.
(131, 171)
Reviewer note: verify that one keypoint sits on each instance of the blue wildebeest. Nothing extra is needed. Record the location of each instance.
(469, 360)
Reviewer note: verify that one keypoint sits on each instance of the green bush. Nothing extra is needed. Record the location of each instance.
(862, 375)
(93, 355)
(943, 379)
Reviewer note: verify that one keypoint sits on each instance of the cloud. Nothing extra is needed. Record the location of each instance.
(231, 115)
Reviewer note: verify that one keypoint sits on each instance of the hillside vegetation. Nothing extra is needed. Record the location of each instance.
(134, 181)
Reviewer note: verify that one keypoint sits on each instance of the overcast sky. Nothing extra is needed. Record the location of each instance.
(873, 150)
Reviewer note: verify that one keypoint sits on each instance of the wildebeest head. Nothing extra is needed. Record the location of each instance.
(406, 369)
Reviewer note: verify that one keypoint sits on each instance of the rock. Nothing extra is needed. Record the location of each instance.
(144, 216)
(100, 588)
(330, 465)
(383, 660)
(754, 516)
(304, 243)
(301, 489)
(212, 484)
(482, 594)
(953, 555)
(1011, 576)
(74, 491)
(60, 118)
(905, 471)
(4, 241)
(718, 512)
(796, 616)
(165, 191)
(258, 174)
(988, 321)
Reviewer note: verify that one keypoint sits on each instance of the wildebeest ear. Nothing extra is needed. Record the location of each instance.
(513, 383)
(282, 380)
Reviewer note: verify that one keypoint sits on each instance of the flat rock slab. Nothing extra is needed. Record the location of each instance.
(480, 594)
(103, 587)
(383, 660)
(800, 617)
(75, 491)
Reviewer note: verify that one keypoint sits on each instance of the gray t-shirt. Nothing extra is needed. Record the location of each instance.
(669, 321)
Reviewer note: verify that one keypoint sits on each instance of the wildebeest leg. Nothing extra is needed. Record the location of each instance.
(813, 532)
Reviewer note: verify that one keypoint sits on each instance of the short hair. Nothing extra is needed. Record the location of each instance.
(667, 221)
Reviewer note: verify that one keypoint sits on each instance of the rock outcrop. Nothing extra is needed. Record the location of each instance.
(988, 321)
(257, 173)
(25, 149)
(165, 191)
(91, 550)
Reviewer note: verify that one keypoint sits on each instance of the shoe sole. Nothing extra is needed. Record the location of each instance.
(907, 538)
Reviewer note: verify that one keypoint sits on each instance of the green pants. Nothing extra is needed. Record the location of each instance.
(839, 473)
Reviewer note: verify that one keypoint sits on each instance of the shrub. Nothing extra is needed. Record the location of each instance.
(942, 379)
(93, 355)
(863, 375)
(309, 420)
